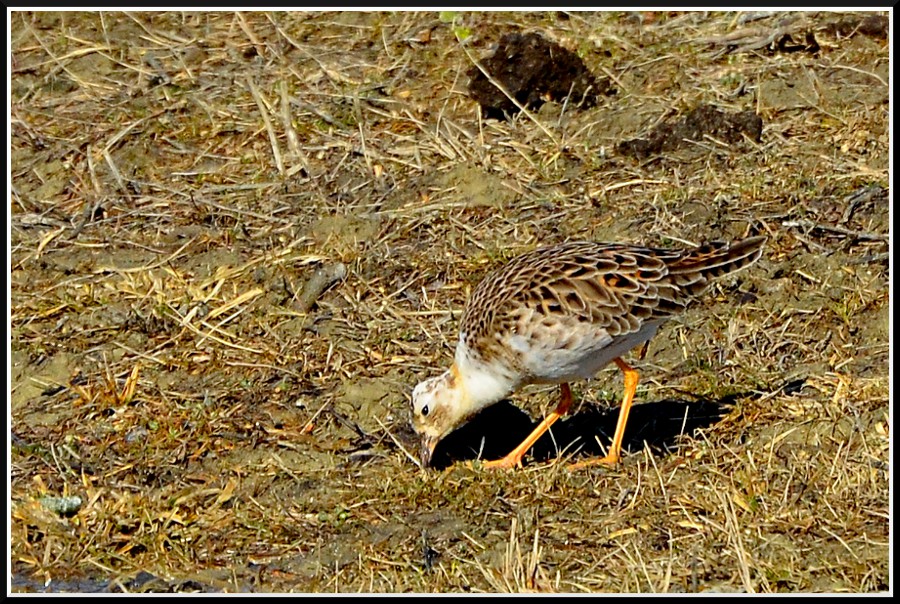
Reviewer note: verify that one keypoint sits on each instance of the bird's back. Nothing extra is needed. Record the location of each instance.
(557, 310)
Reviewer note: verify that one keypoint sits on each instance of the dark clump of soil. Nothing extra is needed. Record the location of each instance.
(786, 43)
(533, 70)
(875, 26)
(704, 120)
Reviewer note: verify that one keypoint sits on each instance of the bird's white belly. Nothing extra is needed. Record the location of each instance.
(593, 351)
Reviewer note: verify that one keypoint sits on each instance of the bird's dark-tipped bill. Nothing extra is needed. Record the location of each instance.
(426, 450)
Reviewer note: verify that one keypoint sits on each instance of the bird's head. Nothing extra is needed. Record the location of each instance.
(444, 403)
(440, 405)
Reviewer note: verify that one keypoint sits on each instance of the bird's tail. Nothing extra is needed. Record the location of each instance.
(693, 271)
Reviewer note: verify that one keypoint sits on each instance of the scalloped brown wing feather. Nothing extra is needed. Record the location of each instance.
(616, 287)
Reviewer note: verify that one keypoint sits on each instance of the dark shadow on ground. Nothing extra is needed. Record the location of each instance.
(500, 428)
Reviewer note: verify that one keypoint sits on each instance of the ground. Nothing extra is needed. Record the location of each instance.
(238, 240)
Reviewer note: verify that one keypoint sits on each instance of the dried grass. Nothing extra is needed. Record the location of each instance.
(178, 177)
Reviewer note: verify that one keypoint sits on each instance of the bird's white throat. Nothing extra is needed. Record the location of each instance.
(484, 383)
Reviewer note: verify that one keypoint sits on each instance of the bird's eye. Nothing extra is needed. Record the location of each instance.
(425, 411)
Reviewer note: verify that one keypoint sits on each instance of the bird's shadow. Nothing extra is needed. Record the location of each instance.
(497, 430)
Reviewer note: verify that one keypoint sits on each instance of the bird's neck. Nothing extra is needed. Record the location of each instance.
(481, 382)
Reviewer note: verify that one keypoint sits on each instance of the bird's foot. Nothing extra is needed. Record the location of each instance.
(507, 463)
(609, 460)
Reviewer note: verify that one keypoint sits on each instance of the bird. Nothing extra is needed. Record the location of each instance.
(559, 314)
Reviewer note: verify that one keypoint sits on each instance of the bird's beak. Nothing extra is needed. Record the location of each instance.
(426, 450)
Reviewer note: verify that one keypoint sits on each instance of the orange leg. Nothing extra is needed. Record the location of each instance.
(631, 382)
(514, 459)
(643, 351)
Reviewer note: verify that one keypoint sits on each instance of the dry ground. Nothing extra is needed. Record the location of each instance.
(179, 178)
